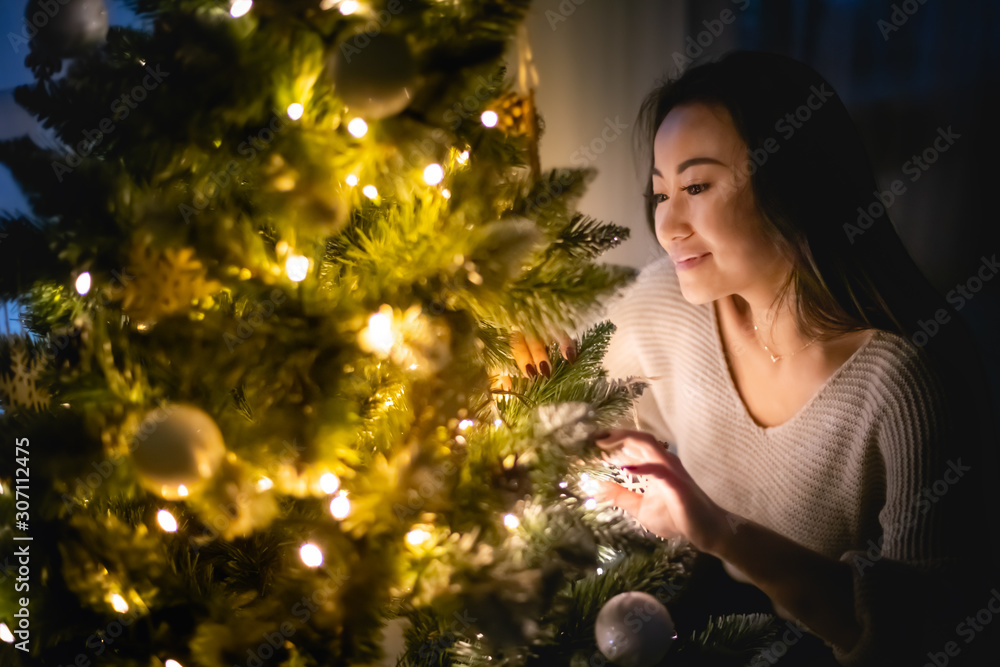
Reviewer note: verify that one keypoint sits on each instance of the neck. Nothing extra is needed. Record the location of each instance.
(776, 328)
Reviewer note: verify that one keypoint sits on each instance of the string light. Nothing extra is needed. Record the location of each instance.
(167, 521)
(497, 422)
(357, 127)
(370, 191)
(5, 634)
(351, 180)
(417, 536)
(297, 267)
(83, 283)
(240, 7)
(294, 111)
(463, 157)
(348, 7)
(464, 424)
(182, 491)
(590, 504)
(379, 335)
(264, 483)
(511, 522)
(489, 118)
(340, 506)
(329, 483)
(311, 555)
(119, 604)
(446, 193)
(433, 174)
(172, 663)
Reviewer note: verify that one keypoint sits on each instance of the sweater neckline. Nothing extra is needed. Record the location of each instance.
(723, 365)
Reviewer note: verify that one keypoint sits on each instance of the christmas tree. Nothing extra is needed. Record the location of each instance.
(269, 280)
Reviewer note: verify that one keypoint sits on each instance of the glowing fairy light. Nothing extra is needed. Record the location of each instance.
(446, 193)
(297, 267)
(463, 157)
(351, 180)
(5, 634)
(600, 571)
(294, 110)
(370, 191)
(329, 483)
(119, 604)
(511, 522)
(497, 422)
(311, 555)
(464, 424)
(172, 663)
(380, 336)
(412, 367)
(348, 7)
(240, 7)
(489, 118)
(167, 521)
(182, 491)
(417, 536)
(433, 174)
(340, 506)
(357, 127)
(83, 283)
(264, 483)
(590, 504)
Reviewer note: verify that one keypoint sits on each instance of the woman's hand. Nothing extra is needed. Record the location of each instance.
(531, 356)
(673, 503)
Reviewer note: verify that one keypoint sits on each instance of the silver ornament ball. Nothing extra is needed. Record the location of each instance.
(634, 630)
(66, 28)
(374, 75)
(176, 446)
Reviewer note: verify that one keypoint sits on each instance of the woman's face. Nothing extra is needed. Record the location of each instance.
(705, 208)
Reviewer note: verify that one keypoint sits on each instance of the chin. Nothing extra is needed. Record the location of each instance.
(695, 295)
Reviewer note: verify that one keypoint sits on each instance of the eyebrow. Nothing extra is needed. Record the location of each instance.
(690, 163)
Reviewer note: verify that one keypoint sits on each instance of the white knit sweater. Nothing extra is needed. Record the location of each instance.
(852, 475)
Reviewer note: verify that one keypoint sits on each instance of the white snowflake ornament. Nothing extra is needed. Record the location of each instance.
(19, 386)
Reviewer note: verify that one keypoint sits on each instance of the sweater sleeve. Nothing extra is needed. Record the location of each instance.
(913, 584)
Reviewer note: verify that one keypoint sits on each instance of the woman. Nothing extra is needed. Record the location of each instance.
(825, 452)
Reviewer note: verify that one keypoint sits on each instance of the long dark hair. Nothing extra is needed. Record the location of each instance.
(811, 179)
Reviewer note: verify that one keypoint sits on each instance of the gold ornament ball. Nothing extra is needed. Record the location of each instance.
(375, 75)
(177, 446)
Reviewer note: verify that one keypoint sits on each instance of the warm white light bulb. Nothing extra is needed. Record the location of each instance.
(348, 7)
(264, 483)
(294, 111)
(433, 174)
(329, 483)
(83, 283)
(380, 334)
(497, 422)
(182, 491)
(590, 504)
(511, 521)
(311, 555)
(340, 506)
(464, 424)
(352, 180)
(172, 663)
(357, 127)
(297, 267)
(370, 191)
(446, 193)
(5, 634)
(240, 7)
(167, 521)
(463, 157)
(489, 118)
(417, 536)
(119, 604)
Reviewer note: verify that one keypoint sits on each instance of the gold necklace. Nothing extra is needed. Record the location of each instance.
(775, 358)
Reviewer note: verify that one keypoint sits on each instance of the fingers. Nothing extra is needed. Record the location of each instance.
(522, 354)
(626, 446)
(539, 356)
(619, 496)
(566, 346)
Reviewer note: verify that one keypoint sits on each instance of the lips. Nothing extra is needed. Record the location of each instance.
(686, 257)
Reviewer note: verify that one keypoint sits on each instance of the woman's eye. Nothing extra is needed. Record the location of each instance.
(659, 198)
(699, 188)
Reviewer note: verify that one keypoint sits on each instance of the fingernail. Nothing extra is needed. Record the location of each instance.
(530, 370)
(601, 435)
(571, 353)
(544, 367)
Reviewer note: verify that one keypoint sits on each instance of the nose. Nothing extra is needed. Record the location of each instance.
(671, 222)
